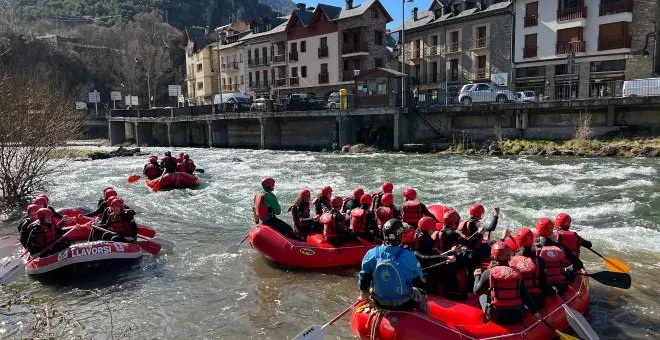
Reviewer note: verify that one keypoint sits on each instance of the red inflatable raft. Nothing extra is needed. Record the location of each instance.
(315, 253)
(465, 320)
(83, 230)
(174, 180)
(85, 256)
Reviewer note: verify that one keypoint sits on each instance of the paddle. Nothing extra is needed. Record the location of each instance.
(577, 321)
(12, 270)
(134, 178)
(201, 171)
(612, 279)
(562, 336)
(233, 249)
(318, 331)
(146, 245)
(612, 263)
(157, 185)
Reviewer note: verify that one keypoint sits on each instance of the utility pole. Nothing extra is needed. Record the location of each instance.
(571, 61)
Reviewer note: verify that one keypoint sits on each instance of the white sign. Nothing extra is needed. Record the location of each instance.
(500, 79)
(94, 97)
(131, 100)
(81, 106)
(174, 90)
(115, 95)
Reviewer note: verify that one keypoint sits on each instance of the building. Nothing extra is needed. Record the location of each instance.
(605, 41)
(229, 56)
(455, 42)
(201, 83)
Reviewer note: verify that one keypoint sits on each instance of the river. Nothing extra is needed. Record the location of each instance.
(198, 292)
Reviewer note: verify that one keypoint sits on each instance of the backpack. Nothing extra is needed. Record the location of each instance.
(387, 281)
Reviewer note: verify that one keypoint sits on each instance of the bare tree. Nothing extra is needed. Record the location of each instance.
(8, 15)
(37, 117)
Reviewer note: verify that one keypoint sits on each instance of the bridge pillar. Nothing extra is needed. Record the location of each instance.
(209, 132)
(136, 134)
(116, 132)
(396, 145)
(144, 134)
(341, 126)
(169, 134)
(270, 131)
(610, 115)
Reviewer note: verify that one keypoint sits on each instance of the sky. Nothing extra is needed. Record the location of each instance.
(392, 6)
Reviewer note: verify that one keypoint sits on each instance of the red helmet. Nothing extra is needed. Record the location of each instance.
(500, 251)
(326, 191)
(152, 159)
(32, 208)
(477, 210)
(452, 218)
(426, 224)
(108, 188)
(366, 199)
(304, 193)
(181, 154)
(186, 156)
(357, 193)
(544, 227)
(45, 197)
(268, 183)
(336, 202)
(117, 202)
(387, 199)
(410, 193)
(387, 187)
(408, 235)
(41, 201)
(563, 220)
(109, 193)
(110, 200)
(44, 212)
(524, 237)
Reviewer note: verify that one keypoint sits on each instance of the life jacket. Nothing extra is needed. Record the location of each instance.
(302, 212)
(152, 171)
(554, 258)
(439, 238)
(120, 224)
(331, 225)
(388, 285)
(358, 220)
(411, 212)
(181, 167)
(505, 287)
(262, 212)
(383, 214)
(570, 240)
(530, 271)
(189, 166)
(44, 234)
(169, 163)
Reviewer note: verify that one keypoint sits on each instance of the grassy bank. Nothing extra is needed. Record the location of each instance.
(637, 147)
(71, 153)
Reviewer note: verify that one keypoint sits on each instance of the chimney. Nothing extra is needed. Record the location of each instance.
(301, 6)
(414, 13)
(446, 9)
(349, 4)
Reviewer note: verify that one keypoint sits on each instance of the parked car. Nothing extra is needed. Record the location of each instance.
(259, 104)
(484, 93)
(526, 97)
(233, 101)
(333, 101)
(641, 87)
(303, 101)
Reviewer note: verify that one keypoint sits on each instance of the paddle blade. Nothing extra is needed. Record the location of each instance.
(612, 279)
(233, 249)
(201, 171)
(564, 336)
(133, 179)
(616, 265)
(316, 332)
(580, 325)
(11, 271)
(146, 231)
(150, 247)
(157, 186)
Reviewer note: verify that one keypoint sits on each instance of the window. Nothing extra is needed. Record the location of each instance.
(199, 67)
(374, 13)
(530, 50)
(379, 62)
(346, 65)
(482, 36)
(242, 80)
(324, 42)
(303, 46)
(222, 60)
(256, 56)
(434, 72)
(570, 40)
(454, 37)
(569, 4)
(608, 66)
(250, 77)
(200, 86)
(324, 68)
(613, 36)
(294, 47)
(303, 71)
(531, 14)
(249, 55)
(525, 72)
(453, 69)
(265, 76)
(378, 37)
(265, 52)
(294, 72)
(482, 87)
(434, 40)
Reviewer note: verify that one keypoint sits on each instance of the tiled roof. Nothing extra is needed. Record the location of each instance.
(426, 17)
(279, 28)
(227, 46)
(423, 18)
(332, 12)
(358, 10)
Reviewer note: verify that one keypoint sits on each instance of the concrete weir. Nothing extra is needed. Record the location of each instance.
(266, 130)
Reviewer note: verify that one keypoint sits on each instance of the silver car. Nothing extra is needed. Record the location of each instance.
(484, 93)
(526, 97)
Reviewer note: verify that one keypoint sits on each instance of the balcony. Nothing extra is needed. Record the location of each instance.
(613, 43)
(454, 47)
(256, 62)
(621, 6)
(323, 52)
(294, 81)
(350, 75)
(279, 82)
(259, 85)
(279, 58)
(530, 52)
(531, 20)
(226, 87)
(572, 14)
(324, 78)
(356, 47)
(418, 80)
(567, 47)
(434, 51)
(414, 53)
(480, 43)
(293, 56)
(479, 74)
(234, 87)
(191, 77)
(234, 65)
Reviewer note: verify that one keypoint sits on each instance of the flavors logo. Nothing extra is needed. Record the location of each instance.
(91, 251)
(307, 251)
(63, 254)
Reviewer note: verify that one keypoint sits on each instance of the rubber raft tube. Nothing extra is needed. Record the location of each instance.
(87, 256)
(465, 320)
(83, 230)
(174, 180)
(315, 253)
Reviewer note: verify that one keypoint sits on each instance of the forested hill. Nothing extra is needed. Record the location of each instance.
(179, 13)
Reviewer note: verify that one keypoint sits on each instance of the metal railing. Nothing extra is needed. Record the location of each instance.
(480, 43)
(530, 51)
(433, 51)
(355, 47)
(614, 43)
(615, 7)
(256, 62)
(414, 53)
(294, 81)
(566, 47)
(454, 47)
(606, 89)
(279, 58)
(279, 82)
(259, 85)
(323, 52)
(571, 14)
(531, 20)
(234, 65)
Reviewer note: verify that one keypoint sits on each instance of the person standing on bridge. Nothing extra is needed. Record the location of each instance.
(266, 207)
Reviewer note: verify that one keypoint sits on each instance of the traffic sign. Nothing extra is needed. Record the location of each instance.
(174, 90)
(130, 102)
(115, 95)
(94, 97)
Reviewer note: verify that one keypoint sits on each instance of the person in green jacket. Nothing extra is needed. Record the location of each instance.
(266, 208)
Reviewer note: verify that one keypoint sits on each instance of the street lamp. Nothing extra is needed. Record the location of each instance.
(403, 52)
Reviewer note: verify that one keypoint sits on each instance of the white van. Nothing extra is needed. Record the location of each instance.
(232, 97)
(641, 87)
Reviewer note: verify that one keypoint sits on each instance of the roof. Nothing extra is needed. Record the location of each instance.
(361, 9)
(196, 39)
(332, 12)
(277, 29)
(426, 17)
(379, 72)
(423, 18)
(228, 46)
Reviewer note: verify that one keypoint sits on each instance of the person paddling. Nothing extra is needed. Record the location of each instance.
(152, 170)
(569, 238)
(266, 208)
(120, 222)
(25, 222)
(43, 232)
(43, 202)
(303, 222)
(188, 164)
(531, 267)
(386, 188)
(352, 202)
(168, 163)
(335, 231)
(389, 271)
(322, 202)
(104, 204)
(560, 263)
(427, 253)
(412, 209)
(362, 220)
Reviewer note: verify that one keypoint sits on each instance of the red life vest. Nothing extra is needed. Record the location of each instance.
(189, 166)
(505, 287)
(438, 237)
(411, 212)
(329, 225)
(530, 271)
(358, 220)
(181, 167)
(120, 224)
(570, 240)
(262, 212)
(45, 234)
(554, 258)
(152, 171)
